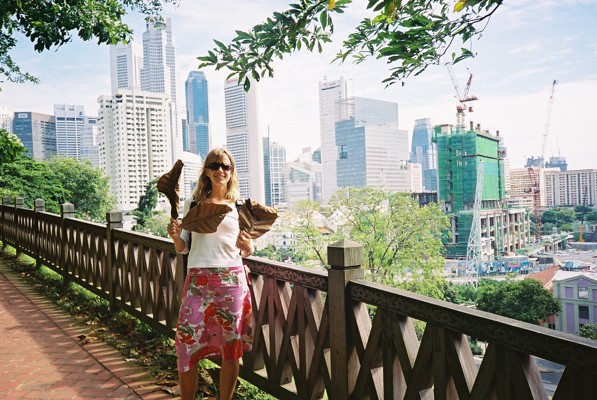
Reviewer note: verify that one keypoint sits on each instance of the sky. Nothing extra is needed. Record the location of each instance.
(525, 47)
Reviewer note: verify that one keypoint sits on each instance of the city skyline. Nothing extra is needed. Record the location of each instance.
(518, 58)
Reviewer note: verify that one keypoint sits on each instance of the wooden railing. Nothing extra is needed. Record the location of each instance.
(317, 333)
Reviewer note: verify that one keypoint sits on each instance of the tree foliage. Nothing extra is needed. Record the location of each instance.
(51, 24)
(525, 300)
(272, 252)
(85, 186)
(146, 207)
(310, 230)
(408, 35)
(58, 181)
(155, 224)
(588, 331)
(11, 147)
(402, 241)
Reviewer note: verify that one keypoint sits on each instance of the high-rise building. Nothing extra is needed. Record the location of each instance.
(151, 68)
(76, 133)
(126, 61)
(331, 94)
(460, 154)
(69, 127)
(571, 188)
(423, 152)
(158, 73)
(274, 158)
(522, 181)
(303, 178)
(90, 142)
(372, 151)
(557, 162)
(37, 132)
(197, 121)
(6, 119)
(134, 131)
(244, 139)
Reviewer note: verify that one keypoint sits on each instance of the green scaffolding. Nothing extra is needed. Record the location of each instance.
(458, 155)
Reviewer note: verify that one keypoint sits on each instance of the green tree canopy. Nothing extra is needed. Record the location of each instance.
(402, 240)
(30, 180)
(310, 231)
(50, 24)
(408, 35)
(58, 181)
(11, 147)
(588, 331)
(146, 206)
(85, 186)
(525, 300)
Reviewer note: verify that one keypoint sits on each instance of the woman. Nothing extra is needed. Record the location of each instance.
(215, 314)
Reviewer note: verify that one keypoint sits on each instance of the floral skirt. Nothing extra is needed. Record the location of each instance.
(215, 316)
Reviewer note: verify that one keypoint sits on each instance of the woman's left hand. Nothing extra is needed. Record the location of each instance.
(245, 244)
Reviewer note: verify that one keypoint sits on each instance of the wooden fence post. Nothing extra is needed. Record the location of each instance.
(114, 220)
(40, 206)
(345, 259)
(19, 203)
(67, 210)
(5, 203)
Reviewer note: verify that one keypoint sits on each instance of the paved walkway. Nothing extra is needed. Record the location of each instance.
(41, 357)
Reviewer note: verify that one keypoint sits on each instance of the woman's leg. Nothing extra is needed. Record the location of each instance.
(228, 378)
(188, 383)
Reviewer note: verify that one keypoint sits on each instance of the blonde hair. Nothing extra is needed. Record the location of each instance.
(204, 187)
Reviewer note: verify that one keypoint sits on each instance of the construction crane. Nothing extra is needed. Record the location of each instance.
(535, 178)
(474, 248)
(582, 222)
(463, 98)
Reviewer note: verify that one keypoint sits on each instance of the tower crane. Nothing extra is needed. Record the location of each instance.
(535, 179)
(463, 98)
(474, 249)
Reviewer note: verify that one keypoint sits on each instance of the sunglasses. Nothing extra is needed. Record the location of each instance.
(214, 166)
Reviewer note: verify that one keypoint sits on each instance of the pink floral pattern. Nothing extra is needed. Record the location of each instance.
(215, 316)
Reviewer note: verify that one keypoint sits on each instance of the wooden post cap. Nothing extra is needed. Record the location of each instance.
(345, 254)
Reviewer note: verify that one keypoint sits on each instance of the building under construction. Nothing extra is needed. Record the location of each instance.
(460, 154)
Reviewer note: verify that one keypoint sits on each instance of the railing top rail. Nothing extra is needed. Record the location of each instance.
(546, 343)
(85, 225)
(144, 239)
(295, 274)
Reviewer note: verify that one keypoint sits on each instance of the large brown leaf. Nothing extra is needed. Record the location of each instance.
(255, 218)
(205, 217)
(168, 184)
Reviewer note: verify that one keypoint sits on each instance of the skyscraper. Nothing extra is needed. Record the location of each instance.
(199, 140)
(243, 138)
(89, 149)
(69, 128)
(330, 94)
(126, 61)
(134, 130)
(372, 150)
(37, 132)
(158, 73)
(273, 163)
(423, 152)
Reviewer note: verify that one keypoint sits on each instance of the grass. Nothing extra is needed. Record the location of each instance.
(135, 340)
